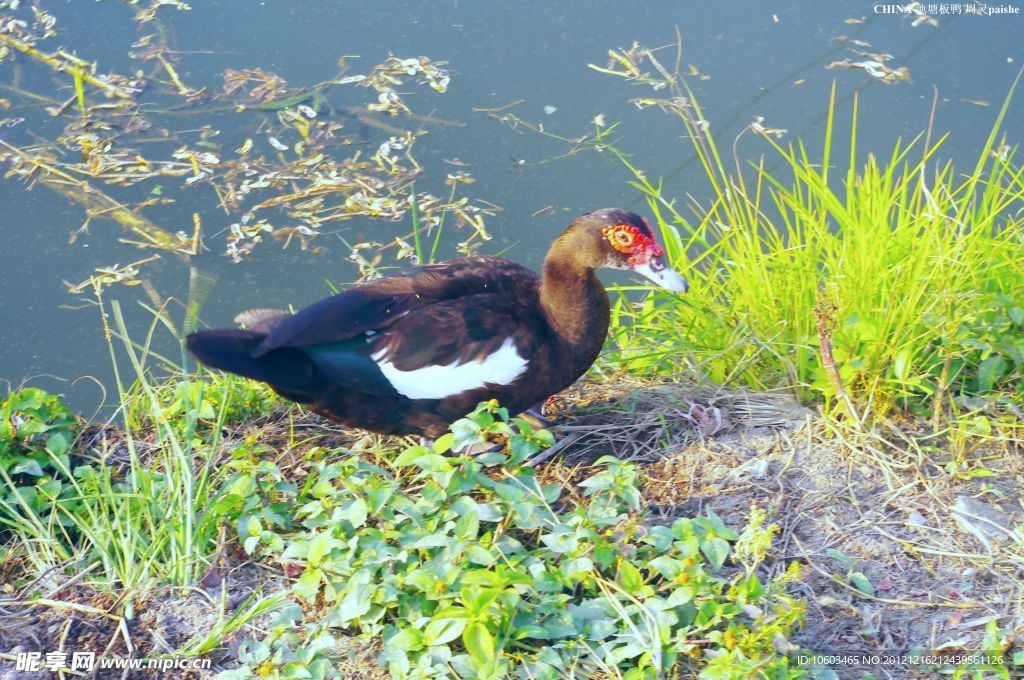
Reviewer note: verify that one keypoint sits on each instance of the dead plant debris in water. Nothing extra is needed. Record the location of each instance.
(875, 64)
(280, 161)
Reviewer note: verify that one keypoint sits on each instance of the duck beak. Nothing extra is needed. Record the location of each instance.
(661, 274)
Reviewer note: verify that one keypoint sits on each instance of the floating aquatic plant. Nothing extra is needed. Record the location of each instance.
(302, 162)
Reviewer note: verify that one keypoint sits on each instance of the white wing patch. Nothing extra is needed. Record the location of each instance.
(438, 382)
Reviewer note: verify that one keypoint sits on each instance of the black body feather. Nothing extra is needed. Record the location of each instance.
(327, 354)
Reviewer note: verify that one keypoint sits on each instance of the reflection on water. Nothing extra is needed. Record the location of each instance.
(743, 59)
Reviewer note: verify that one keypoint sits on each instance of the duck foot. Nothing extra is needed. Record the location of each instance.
(535, 416)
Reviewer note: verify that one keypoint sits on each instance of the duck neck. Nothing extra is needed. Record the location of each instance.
(574, 302)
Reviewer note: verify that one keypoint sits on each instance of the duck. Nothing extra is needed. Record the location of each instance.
(410, 353)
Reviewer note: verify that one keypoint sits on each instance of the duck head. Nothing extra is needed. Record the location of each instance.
(622, 240)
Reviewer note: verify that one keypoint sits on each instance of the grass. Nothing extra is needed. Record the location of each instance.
(133, 500)
(896, 286)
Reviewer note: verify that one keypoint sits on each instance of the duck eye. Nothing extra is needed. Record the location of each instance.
(622, 237)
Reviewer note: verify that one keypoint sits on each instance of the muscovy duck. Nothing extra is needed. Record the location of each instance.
(408, 354)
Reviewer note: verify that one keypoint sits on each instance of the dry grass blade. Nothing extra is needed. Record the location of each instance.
(644, 420)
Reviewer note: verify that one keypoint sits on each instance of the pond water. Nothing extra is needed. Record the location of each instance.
(748, 59)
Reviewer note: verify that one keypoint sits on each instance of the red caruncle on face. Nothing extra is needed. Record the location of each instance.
(630, 240)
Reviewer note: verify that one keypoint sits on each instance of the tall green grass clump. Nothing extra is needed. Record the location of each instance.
(894, 283)
(127, 504)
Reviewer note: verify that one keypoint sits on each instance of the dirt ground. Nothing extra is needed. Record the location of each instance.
(897, 553)
(943, 554)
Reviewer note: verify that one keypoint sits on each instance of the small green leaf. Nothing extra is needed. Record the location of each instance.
(546, 438)
(579, 568)
(451, 612)
(630, 577)
(532, 631)
(468, 526)
(252, 526)
(753, 587)
(482, 416)
(835, 554)
(989, 371)
(317, 547)
(478, 602)
(599, 482)
(627, 651)
(861, 583)
(477, 554)
(206, 411)
(668, 567)
(356, 602)
(57, 443)
(398, 663)
(356, 512)
(509, 492)
(479, 643)
(296, 549)
(562, 541)
(492, 458)
(551, 492)
(410, 456)
(715, 522)
(250, 543)
(426, 541)
(29, 466)
(679, 596)
(522, 448)
(716, 550)
(308, 585)
(322, 489)
(603, 554)
(434, 462)
(406, 640)
(465, 433)
(443, 444)
(443, 631)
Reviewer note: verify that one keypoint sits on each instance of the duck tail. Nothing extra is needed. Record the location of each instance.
(286, 370)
